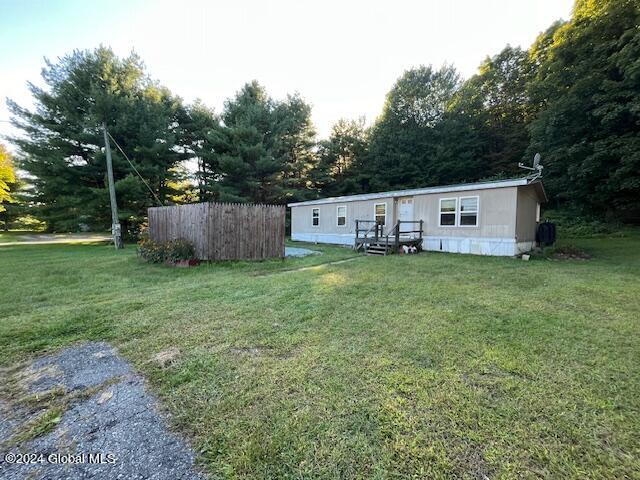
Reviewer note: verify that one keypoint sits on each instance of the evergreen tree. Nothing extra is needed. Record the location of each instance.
(342, 159)
(295, 147)
(264, 149)
(63, 144)
(199, 128)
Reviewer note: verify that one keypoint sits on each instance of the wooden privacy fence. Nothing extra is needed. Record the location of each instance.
(222, 231)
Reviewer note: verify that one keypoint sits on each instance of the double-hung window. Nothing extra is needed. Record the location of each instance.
(468, 211)
(315, 217)
(448, 212)
(380, 211)
(342, 215)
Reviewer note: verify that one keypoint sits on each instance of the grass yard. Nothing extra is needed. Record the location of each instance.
(428, 366)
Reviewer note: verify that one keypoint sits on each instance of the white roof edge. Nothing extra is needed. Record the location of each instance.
(416, 191)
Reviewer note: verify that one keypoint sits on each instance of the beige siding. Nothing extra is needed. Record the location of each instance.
(497, 216)
(301, 217)
(526, 221)
(496, 213)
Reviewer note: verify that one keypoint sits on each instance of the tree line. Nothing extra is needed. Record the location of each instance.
(573, 96)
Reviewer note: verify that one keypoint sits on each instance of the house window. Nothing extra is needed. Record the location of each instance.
(448, 212)
(468, 211)
(342, 215)
(380, 211)
(315, 217)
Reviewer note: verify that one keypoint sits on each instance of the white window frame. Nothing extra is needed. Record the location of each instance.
(375, 205)
(455, 212)
(477, 212)
(313, 210)
(338, 207)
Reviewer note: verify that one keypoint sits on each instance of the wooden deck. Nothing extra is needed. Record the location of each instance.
(373, 240)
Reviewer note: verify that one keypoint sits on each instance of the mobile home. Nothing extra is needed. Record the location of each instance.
(485, 218)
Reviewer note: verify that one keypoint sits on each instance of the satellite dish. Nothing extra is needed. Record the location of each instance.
(536, 169)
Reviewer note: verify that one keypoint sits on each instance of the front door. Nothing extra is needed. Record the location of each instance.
(405, 212)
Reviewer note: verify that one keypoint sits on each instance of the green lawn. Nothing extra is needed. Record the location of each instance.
(424, 366)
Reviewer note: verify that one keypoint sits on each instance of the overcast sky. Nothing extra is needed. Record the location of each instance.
(342, 56)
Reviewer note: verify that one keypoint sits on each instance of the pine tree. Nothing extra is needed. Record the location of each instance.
(342, 159)
(264, 148)
(63, 144)
(295, 146)
(199, 127)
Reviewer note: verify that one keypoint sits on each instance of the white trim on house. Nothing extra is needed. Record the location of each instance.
(477, 212)
(338, 207)
(418, 191)
(313, 217)
(455, 212)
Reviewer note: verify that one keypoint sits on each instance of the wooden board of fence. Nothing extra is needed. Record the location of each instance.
(222, 231)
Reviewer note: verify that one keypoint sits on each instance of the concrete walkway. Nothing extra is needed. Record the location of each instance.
(299, 252)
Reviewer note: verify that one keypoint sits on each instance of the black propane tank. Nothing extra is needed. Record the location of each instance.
(546, 234)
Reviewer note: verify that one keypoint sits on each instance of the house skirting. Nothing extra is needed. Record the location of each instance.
(333, 238)
(505, 247)
(502, 247)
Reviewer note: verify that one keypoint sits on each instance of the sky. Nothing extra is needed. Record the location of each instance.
(341, 56)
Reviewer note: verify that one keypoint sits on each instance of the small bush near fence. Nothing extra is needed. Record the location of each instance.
(172, 252)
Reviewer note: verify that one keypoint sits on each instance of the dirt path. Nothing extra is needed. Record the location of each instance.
(52, 238)
(83, 413)
(309, 267)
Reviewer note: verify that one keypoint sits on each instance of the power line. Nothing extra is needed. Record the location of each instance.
(135, 169)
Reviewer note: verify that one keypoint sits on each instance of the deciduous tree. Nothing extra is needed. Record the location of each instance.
(7, 177)
(588, 128)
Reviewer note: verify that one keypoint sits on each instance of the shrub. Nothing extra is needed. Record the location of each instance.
(156, 252)
(151, 251)
(177, 250)
(574, 224)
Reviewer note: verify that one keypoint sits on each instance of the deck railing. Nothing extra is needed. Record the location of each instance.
(375, 233)
(372, 233)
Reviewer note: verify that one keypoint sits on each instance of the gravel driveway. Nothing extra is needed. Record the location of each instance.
(109, 426)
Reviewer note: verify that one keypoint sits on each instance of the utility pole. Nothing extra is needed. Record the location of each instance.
(115, 223)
